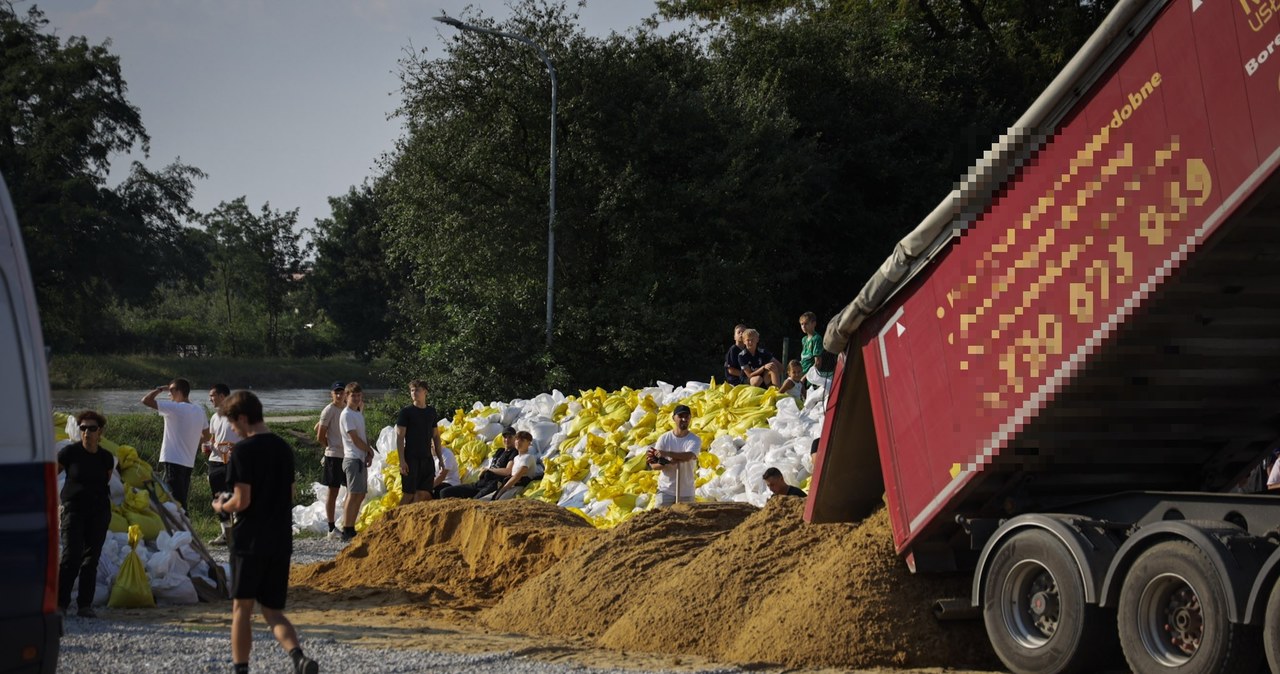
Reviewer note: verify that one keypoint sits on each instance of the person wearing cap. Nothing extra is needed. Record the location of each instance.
(672, 455)
(496, 470)
(330, 438)
(217, 441)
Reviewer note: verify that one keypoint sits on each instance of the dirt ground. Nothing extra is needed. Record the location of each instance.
(688, 588)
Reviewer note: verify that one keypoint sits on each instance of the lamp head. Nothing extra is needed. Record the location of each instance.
(449, 20)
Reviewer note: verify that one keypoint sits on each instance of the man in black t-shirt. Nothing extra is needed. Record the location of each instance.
(417, 438)
(261, 476)
(773, 478)
(86, 512)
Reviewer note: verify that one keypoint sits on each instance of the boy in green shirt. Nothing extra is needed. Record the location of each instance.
(811, 343)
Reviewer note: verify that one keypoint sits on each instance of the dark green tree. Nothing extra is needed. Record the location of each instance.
(354, 284)
(255, 262)
(63, 114)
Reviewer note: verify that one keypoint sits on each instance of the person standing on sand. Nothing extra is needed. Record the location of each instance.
(184, 424)
(671, 455)
(357, 456)
(330, 438)
(261, 477)
(417, 439)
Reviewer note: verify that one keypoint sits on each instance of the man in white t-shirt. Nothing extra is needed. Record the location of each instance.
(521, 467)
(446, 472)
(184, 425)
(216, 442)
(329, 435)
(675, 455)
(357, 456)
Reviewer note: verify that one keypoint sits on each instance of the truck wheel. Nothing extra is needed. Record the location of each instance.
(1173, 616)
(1035, 612)
(1271, 628)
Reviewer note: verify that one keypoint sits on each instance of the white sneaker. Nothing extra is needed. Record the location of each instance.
(335, 535)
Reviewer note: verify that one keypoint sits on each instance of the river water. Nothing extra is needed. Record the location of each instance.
(275, 402)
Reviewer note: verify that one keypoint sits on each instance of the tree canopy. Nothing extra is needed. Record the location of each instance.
(756, 166)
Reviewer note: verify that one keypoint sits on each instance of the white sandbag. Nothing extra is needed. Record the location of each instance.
(510, 413)
(174, 589)
(386, 441)
(115, 488)
(573, 494)
(543, 431)
(489, 431)
(72, 429)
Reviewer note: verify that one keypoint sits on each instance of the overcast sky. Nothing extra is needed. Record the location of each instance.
(283, 101)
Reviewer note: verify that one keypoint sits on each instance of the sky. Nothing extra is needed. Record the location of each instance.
(280, 101)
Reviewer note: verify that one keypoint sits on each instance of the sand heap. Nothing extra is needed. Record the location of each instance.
(453, 553)
(770, 589)
(724, 581)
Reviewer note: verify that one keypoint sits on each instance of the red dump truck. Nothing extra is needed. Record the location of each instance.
(1066, 379)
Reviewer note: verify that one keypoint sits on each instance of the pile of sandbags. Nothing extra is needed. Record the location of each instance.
(591, 447)
(170, 560)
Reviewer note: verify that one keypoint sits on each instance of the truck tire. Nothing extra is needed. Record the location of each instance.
(1271, 628)
(1173, 617)
(1035, 612)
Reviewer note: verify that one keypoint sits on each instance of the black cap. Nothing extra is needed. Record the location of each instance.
(682, 409)
(509, 430)
(338, 386)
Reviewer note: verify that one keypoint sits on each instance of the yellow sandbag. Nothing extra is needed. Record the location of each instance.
(119, 523)
(148, 523)
(132, 589)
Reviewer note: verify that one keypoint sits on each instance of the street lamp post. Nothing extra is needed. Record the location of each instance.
(551, 219)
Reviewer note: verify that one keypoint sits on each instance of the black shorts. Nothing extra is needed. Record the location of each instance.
(332, 476)
(262, 578)
(421, 475)
(217, 478)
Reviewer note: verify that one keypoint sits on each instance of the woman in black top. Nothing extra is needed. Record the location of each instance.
(86, 511)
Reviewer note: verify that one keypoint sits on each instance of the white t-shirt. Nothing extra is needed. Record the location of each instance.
(329, 419)
(796, 391)
(450, 463)
(1273, 477)
(691, 444)
(351, 420)
(224, 438)
(184, 423)
(527, 461)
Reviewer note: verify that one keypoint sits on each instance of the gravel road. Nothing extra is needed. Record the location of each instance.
(107, 646)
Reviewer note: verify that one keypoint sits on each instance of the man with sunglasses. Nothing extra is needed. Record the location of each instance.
(184, 425)
(86, 512)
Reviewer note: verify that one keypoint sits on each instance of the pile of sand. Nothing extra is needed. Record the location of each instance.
(454, 553)
(724, 581)
(770, 589)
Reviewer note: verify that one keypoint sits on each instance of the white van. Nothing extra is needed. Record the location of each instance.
(29, 622)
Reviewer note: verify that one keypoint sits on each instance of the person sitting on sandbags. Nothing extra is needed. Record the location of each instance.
(522, 468)
(495, 472)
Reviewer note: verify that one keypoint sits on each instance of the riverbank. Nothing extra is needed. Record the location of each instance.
(75, 371)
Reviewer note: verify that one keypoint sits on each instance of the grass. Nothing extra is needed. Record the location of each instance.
(144, 432)
(75, 371)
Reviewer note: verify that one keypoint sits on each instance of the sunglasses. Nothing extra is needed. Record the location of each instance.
(89, 429)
